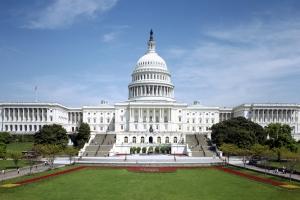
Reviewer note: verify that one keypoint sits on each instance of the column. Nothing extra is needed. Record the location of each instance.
(160, 115)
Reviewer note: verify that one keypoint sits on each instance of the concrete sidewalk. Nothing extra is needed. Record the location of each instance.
(9, 174)
(294, 177)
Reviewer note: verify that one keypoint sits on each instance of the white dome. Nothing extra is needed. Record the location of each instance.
(152, 60)
(151, 79)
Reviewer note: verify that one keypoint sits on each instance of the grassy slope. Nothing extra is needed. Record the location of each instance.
(19, 146)
(120, 184)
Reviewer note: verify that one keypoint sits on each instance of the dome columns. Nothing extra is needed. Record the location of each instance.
(151, 90)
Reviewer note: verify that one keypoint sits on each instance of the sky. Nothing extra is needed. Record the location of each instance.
(79, 52)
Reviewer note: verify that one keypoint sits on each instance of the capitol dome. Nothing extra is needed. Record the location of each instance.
(151, 79)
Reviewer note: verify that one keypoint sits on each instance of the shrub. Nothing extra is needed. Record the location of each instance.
(168, 149)
(144, 149)
(162, 149)
(150, 150)
(138, 150)
(133, 150)
(156, 149)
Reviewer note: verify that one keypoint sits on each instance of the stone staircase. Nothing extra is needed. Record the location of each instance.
(199, 145)
(100, 145)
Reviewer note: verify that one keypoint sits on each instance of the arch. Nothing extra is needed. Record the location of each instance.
(150, 139)
(125, 139)
(142, 139)
(175, 140)
(167, 140)
(158, 140)
(134, 139)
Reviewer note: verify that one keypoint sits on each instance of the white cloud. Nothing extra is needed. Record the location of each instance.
(63, 13)
(257, 62)
(109, 37)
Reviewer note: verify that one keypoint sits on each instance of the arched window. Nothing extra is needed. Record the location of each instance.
(125, 139)
(134, 140)
(167, 140)
(158, 140)
(142, 140)
(175, 140)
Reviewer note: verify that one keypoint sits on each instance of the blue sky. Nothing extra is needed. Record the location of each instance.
(78, 52)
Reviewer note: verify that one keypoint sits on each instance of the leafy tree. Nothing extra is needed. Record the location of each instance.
(229, 150)
(5, 137)
(51, 134)
(133, 150)
(292, 160)
(16, 157)
(2, 150)
(50, 151)
(71, 152)
(280, 136)
(239, 131)
(83, 135)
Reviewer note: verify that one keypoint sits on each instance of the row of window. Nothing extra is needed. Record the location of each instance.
(25, 128)
(101, 113)
(142, 140)
(193, 120)
(149, 76)
(101, 120)
(150, 63)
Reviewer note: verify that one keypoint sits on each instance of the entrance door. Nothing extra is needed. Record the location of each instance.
(150, 140)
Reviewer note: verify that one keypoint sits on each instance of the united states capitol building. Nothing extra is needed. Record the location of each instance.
(150, 116)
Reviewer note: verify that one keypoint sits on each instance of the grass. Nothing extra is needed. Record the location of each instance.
(19, 146)
(9, 164)
(121, 184)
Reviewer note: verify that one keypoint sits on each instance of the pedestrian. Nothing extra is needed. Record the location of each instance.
(3, 172)
(18, 170)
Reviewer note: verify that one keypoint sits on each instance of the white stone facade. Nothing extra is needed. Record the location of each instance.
(150, 115)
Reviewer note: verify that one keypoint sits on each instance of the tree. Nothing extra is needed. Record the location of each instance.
(292, 160)
(71, 152)
(280, 136)
(15, 156)
(2, 150)
(50, 151)
(83, 135)
(5, 137)
(51, 134)
(239, 131)
(229, 150)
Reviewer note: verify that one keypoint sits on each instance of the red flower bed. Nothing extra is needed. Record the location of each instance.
(49, 175)
(249, 176)
(152, 169)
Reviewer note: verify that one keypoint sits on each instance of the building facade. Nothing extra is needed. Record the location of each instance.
(151, 115)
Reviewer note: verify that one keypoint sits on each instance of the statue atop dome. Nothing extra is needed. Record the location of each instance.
(151, 35)
(151, 43)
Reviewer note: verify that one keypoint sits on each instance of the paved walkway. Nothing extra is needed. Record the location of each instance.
(9, 174)
(142, 159)
(271, 172)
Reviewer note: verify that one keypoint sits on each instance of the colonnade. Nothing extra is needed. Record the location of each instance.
(275, 115)
(75, 117)
(150, 90)
(150, 115)
(225, 116)
(24, 114)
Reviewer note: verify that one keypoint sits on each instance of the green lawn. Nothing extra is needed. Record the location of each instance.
(19, 146)
(9, 164)
(121, 184)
